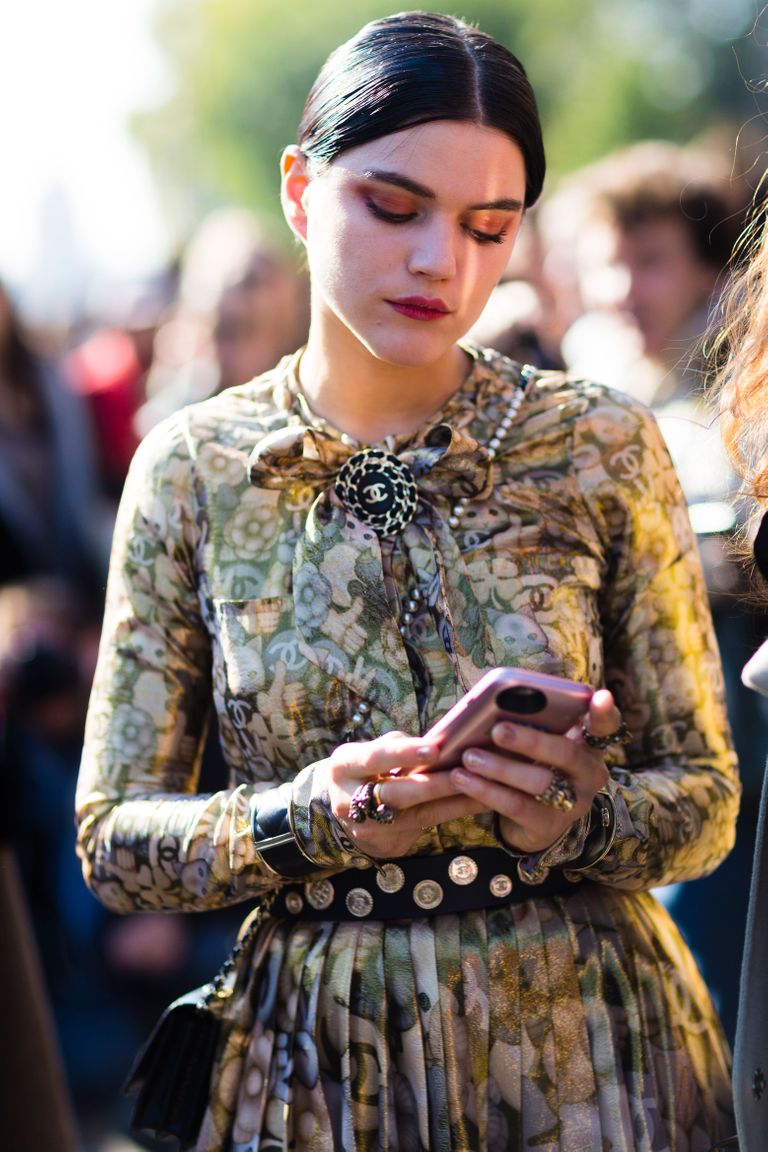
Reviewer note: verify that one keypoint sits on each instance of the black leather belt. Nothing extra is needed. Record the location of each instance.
(455, 881)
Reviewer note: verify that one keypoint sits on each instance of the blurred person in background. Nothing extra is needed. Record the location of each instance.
(242, 304)
(740, 357)
(519, 319)
(104, 978)
(89, 983)
(51, 526)
(36, 1109)
(657, 224)
(109, 367)
(52, 517)
(46, 657)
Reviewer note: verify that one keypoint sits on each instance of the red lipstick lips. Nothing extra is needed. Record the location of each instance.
(420, 307)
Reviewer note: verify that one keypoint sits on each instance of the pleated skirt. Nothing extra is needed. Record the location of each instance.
(560, 1024)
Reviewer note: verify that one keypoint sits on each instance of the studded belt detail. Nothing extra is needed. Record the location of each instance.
(455, 881)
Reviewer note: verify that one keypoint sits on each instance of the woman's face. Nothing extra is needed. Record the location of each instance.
(407, 235)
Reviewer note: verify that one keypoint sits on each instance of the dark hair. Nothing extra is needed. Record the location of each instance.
(413, 68)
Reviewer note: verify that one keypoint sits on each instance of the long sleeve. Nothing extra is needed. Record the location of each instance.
(578, 560)
(677, 794)
(145, 839)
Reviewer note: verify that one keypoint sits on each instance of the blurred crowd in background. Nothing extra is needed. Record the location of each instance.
(617, 276)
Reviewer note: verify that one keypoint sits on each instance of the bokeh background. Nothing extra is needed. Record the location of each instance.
(143, 264)
(123, 123)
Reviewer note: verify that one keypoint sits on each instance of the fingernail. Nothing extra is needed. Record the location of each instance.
(425, 753)
(472, 759)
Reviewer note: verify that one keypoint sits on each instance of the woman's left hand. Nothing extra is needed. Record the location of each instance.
(522, 766)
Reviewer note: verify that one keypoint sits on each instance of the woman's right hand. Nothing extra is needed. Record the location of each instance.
(420, 799)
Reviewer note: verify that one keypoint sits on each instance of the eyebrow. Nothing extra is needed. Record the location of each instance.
(385, 177)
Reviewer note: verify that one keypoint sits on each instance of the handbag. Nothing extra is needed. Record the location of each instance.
(171, 1074)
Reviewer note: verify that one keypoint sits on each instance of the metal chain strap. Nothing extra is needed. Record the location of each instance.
(219, 987)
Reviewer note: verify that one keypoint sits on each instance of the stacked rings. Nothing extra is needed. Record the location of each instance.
(622, 735)
(366, 804)
(559, 793)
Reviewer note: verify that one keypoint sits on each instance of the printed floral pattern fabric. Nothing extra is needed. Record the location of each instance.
(557, 1023)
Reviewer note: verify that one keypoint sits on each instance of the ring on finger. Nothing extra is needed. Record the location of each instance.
(366, 804)
(559, 793)
(620, 735)
(381, 812)
(360, 803)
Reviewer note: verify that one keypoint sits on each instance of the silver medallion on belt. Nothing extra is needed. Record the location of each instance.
(319, 894)
(428, 894)
(500, 885)
(293, 903)
(463, 870)
(390, 877)
(359, 902)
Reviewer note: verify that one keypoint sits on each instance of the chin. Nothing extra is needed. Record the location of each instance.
(410, 350)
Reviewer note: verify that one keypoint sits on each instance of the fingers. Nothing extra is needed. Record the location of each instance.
(527, 791)
(603, 717)
(539, 781)
(388, 773)
(389, 753)
(517, 745)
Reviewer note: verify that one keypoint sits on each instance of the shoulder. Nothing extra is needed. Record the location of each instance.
(586, 407)
(568, 404)
(604, 445)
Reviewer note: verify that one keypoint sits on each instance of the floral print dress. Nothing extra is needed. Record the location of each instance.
(573, 1022)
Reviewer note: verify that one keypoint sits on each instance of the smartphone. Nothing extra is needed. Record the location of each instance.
(536, 699)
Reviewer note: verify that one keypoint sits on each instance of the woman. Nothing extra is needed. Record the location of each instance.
(741, 348)
(459, 959)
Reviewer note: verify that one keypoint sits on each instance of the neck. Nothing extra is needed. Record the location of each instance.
(370, 399)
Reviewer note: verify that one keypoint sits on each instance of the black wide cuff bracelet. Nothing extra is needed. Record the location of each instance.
(456, 881)
(601, 834)
(275, 839)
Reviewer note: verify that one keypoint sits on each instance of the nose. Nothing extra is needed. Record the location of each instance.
(434, 253)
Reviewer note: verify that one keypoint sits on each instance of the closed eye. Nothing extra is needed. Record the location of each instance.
(477, 234)
(486, 237)
(390, 217)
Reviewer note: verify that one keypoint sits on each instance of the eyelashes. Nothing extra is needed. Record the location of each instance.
(390, 217)
(406, 217)
(488, 237)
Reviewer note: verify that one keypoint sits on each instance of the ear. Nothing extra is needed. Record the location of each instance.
(293, 186)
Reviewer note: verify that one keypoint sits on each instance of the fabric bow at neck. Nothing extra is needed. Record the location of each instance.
(445, 463)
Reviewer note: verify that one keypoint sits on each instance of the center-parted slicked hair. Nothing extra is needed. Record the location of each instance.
(414, 68)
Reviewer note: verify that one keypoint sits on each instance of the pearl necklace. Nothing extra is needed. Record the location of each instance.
(415, 600)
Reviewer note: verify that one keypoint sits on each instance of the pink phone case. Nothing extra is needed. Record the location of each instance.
(533, 698)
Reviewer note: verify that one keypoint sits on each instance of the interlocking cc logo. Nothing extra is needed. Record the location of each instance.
(375, 492)
(379, 489)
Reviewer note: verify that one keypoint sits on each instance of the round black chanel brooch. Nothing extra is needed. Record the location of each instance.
(378, 489)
